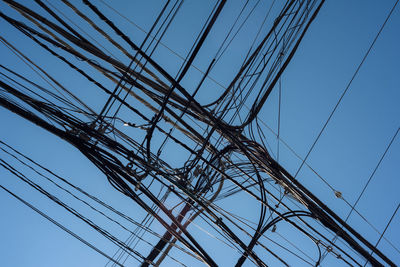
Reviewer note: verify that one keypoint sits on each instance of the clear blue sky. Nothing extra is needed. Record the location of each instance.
(345, 155)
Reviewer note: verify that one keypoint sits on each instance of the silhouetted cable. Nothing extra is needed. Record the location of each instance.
(347, 87)
(60, 225)
(386, 227)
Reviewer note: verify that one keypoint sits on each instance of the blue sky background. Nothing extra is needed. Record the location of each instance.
(345, 155)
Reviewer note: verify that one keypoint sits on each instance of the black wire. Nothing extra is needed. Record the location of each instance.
(59, 225)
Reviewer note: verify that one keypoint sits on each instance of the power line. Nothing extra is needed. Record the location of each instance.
(347, 87)
(59, 225)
